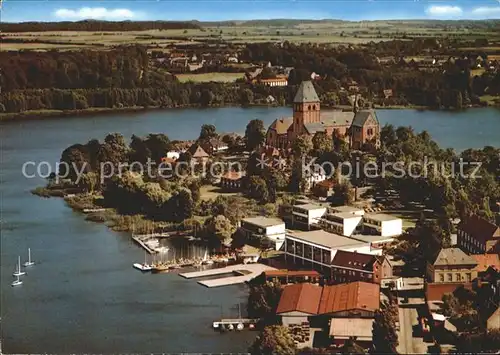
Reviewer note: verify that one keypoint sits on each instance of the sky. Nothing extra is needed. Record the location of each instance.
(217, 10)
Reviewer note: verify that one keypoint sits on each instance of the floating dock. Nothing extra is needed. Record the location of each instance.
(242, 273)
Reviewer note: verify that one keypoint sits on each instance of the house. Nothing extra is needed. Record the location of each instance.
(347, 310)
(307, 215)
(318, 248)
(382, 224)
(349, 266)
(214, 145)
(272, 229)
(248, 255)
(452, 265)
(323, 189)
(232, 181)
(357, 128)
(387, 93)
(278, 81)
(198, 153)
(476, 235)
(343, 223)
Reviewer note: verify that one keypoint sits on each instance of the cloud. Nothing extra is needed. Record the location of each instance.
(486, 12)
(96, 13)
(444, 11)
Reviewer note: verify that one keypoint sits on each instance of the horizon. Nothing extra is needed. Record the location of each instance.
(16, 11)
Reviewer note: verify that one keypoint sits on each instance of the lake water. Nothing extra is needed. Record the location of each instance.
(83, 295)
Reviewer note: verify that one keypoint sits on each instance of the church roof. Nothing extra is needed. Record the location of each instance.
(330, 119)
(362, 116)
(306, 93)
(281, 125)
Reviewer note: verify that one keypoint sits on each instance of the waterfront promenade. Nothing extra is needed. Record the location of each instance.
(241, 273)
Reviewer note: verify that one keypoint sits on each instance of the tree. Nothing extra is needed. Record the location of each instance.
(76, 159)
(321, 143)
(254, 134)
(385, 339)
(302, 146)
(158, 144)
(218, 229)
(343, 193)
(139, 151)
(181, 205)
(351, 347)
(263, 300)
(246, 97)
(207, 131)
(257, 189)
(273, 340)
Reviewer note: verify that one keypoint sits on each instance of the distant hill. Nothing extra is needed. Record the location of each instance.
(94, 25)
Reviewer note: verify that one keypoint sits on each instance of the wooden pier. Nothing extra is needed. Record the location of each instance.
(241, 273)
(139, 241)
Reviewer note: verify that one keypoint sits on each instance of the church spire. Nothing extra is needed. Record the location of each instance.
(306, 93)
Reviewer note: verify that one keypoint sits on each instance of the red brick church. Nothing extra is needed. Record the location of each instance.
(356, 127)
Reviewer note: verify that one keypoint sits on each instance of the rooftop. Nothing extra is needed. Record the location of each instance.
(484, 261)
(309, 206)
(362, 116)
(306, 93)
(262, 221)
(371, 238)
(361, 328)
(382, 217)
(453, 256)
(353, 260)
(350, 209)
(301, 297)
(312, 299)
(479, 227)
(350, 296)
(325, 239)
(344, 215)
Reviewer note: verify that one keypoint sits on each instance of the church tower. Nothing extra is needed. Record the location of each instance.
(306, 108)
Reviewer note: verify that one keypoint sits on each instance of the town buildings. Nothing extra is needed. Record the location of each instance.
(357, 128)
(307, 215)
(347, 310)
(349, 266)
(452, 265)
(272, 229)
(476, 235)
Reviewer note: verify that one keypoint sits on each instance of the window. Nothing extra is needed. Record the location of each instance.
(450, 277)
(441, 277)
(458, 276)
(314, 107)
(468, 277)
(309, 107)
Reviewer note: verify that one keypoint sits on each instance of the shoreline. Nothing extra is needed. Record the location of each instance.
(94, 111)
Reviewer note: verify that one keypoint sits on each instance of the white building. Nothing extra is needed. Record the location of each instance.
(382, 224)
(307, 214)
(348, 209)
(319, 247)
(264, 227)
(173, 155)
(343, 223)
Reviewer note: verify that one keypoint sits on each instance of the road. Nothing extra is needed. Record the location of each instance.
(408, 343)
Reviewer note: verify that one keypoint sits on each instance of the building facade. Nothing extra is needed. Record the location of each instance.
(272, 229)
(356, 128)
(452, 265)
(475, 235)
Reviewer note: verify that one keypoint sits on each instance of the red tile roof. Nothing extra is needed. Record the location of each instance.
(311, 299)
(233, 175)
(301, 297)
(479, 228)
(435, 291)
(353, 260)
(484, 261)
(352, 296)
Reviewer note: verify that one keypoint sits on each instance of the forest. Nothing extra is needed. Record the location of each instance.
(95, 25)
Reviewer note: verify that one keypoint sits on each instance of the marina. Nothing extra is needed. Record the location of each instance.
(242, 273)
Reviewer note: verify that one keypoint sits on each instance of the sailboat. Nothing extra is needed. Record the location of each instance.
(16, 282)
(206, 260)
(145, 266)
(29, 262)
(240, 325)
(18, 272)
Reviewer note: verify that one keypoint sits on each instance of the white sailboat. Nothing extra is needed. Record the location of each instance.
(29, 262)
(145, 266)
(18, 272)
(17, 282)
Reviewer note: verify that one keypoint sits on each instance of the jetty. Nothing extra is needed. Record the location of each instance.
(241, 273)
(139, 241)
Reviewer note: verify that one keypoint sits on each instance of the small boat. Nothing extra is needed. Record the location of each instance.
(240, 326)
(17, 282)
(173, 267)
(145, 266)
(207, 262)
(18, 271)
(230, 327)
(159, 268)
(29, 262)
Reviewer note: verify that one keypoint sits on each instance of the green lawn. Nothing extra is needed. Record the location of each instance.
(206, 77)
